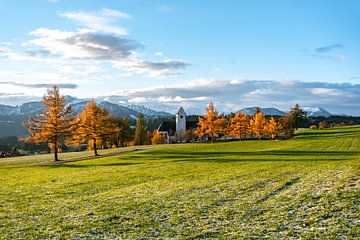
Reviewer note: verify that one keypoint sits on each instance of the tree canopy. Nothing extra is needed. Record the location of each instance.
(54, 125)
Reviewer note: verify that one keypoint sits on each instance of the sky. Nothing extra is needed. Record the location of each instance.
(166, 54)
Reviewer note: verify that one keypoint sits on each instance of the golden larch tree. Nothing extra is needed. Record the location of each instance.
(157, 138)
(258, 124)
(55, 123)
(273, 127)
(239, 125)
(95, 124)
(211, 124)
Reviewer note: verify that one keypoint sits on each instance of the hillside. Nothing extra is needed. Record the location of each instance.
(13, 117)
(304, 188)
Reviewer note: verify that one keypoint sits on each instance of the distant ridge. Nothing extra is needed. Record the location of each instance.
(310, 111)
(265, 111)
(148, 111)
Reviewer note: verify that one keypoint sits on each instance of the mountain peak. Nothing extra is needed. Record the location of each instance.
(316, 111)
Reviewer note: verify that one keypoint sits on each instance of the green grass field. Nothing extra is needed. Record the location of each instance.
(307, 187)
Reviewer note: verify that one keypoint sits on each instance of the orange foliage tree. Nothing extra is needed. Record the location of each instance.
(239, 125)
(273, 127)
(157, 138)
(258, 125)
(54, 125)
(95, 124)
(211, 124)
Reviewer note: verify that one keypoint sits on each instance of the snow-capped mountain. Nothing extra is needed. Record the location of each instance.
(265, 111)
(28, 108)
(316, 112)
(148, 111)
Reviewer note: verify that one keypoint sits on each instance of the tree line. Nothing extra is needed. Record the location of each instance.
(58, 126)
(93, 127)
(241, 125)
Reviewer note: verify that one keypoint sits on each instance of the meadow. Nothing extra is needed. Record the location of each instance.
(307, 187)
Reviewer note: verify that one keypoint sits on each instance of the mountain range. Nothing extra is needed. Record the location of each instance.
(12, 117)
(310, 111)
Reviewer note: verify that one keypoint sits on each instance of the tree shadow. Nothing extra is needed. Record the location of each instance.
(195, 154)
(69, 165)
(260, 160)
(326, 134)
(273, 155)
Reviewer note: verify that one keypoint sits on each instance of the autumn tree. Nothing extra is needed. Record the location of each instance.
(148, 137)
(239, 125)
(55, 123)
(258, 125)
(211, 124)
(273, 127)
(95, 124)
(323, 125)
(287, 124)
(157, 138)
(189, 135)
(140, 132)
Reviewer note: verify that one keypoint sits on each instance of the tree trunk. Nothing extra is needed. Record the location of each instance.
(56, 150)
(212, 138)
(240, 137)
(95, 150)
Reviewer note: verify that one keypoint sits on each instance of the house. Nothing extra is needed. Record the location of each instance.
(173, 130)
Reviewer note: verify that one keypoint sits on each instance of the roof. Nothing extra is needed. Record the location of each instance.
(167, 126)
(181, 110)
(170, 125)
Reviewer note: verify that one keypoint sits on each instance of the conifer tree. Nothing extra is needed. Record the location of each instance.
(211, 124)
(239, 125)
(140, 132)
(258, 125)
(124, 135)
(54, 125)
(298, 115)
(95, 124)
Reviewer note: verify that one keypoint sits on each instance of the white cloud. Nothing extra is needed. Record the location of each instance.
(325, 91)
(159, 54)
(234, 94)
(101, 20)
(152, 69)
(82, 44)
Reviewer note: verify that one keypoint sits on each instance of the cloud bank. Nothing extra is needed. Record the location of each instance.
(41, 85)
(234, 94)
(101, 38)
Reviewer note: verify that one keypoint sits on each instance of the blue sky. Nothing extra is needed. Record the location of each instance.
(163, 54)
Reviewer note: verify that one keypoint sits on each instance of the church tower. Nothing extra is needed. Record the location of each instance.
(180, 121)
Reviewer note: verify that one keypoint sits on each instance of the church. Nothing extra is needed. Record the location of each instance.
(174, 129)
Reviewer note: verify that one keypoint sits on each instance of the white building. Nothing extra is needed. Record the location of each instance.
(174, 130)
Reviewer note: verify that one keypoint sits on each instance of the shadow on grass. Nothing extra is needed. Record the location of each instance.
(326, 134)
(69, 165)
(255, 153)
(260, 160)
(275, 192)
(275, 155)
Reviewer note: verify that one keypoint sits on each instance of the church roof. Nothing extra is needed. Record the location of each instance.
(181, 110)
(170, 125)
(167, 126)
